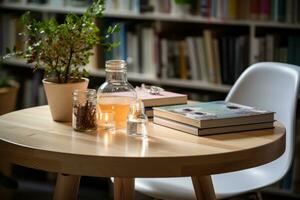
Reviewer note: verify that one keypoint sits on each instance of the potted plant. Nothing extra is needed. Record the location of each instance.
(8, 93)
(63, 50)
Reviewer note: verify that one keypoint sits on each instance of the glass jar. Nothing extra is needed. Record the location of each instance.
(116, 94)
(84, 110)
(137, 119)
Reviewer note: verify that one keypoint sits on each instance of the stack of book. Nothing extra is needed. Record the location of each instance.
(213, 118)
(164, 98)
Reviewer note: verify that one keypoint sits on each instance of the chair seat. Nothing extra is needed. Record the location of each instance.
(225, 185)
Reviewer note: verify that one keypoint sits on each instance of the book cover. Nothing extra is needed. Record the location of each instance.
(208, 42)
(192, 58)
(183, 66)
(161, 99)
(201, 56)
(148, 55)
(254, 9)
(281, 10)
(210, 131)
(243, 9)
(205, 8)
(217, 64)
(264, 9)
(214, 114)
(232, 9)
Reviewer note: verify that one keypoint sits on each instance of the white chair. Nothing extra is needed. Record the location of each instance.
(267, 85)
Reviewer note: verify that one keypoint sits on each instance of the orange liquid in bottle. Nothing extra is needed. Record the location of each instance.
(119, 106)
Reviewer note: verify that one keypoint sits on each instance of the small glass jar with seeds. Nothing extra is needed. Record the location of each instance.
(84, 110)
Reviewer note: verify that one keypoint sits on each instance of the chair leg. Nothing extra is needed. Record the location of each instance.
(6, 188)
(66, 187)
(204, 188)
(258, 196)
(123, 188)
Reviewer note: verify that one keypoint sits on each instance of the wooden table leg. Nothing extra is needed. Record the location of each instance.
(66, 187)
(5, 169)
(204, 188)
(123, 188)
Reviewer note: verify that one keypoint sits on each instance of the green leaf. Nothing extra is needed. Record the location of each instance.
(85, 73)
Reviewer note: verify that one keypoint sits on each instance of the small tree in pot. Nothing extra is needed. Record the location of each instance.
(62, 50)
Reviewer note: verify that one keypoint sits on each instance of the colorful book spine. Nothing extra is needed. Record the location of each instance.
(264, 9)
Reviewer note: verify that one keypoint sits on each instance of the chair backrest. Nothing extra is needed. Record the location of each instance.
(271, 86)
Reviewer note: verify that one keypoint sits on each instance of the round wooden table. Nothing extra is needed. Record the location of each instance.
(31, 138)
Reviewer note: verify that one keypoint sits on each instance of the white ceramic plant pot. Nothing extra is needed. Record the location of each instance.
(59, 97)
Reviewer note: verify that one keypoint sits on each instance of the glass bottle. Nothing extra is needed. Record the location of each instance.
(84, 110)
(116, 94)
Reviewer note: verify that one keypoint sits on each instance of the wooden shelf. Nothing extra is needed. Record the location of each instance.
(149, 16)
(191, 84)
(144, 78)
(161, 17)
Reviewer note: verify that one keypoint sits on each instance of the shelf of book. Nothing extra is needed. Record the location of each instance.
(150, 16)
(209, 57)
(144, 78)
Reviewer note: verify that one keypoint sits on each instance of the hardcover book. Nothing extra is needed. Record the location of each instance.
(214, 114)
(162, 99)
(209, 131)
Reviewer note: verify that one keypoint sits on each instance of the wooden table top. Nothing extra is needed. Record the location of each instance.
(31, 138)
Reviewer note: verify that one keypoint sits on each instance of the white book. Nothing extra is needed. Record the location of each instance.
(201, 55)
(132, 52)
(135, 6)
(124, 5)
(255, 51)
(164, 58)
(112, 5)
(219, 10)
(156, 5)
(208, 41)
(148, 57)
(129, 47)
(116, 51)
(109, 5)
(192, 58)
(135, 53)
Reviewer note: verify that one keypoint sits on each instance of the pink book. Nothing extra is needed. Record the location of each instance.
(264, 9)
(162, 99)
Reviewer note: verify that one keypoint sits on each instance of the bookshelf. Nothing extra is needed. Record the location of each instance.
(250, 33)
(150, 16)
(146, 79)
